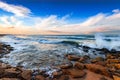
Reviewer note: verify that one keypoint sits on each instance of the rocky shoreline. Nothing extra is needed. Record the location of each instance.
(78, 68)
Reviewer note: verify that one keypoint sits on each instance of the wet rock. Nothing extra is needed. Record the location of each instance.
(98, 69)
(79, 65)
(113, 60)
(57, 74)
(116, 77)
(84, 60)
(4, 66)
(97, 59)
(110, 56)
(11, 73)
(26, 74)
(73, 57)
(64, 77)
(39, 77)
(67, 65)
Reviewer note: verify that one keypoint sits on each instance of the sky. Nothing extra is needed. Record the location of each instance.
(59, 16)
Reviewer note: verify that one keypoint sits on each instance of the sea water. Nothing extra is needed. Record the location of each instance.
(46, 51)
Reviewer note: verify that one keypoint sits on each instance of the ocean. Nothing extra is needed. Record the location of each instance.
(46, 51)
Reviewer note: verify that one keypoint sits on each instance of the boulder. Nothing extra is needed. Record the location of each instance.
(11, 73)
(97, 59)
(57, 74)
(73, 57)
(98, 69)
(79, 65)
(75, 73)
(67, 65)
(26, 74)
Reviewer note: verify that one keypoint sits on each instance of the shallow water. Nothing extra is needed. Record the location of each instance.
(46, 51)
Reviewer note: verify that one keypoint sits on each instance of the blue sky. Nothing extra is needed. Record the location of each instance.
(62, 12)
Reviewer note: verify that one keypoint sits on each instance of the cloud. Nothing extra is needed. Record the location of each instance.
(116, 11)
(101, 22)
(16, 10)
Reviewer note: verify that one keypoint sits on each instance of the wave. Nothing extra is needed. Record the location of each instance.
(71, 43)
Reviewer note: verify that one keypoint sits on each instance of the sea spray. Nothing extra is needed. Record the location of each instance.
(103, 41)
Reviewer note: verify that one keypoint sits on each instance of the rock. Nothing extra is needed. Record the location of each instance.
(97, 59)
(102, 63)
(26, 74)
(113, 60)
(117, 66)
(64, 77)
(110, 56)
(1, 72)
(57, 74)
(11, 73)
(73, 57)
(75, 73)
(84, 59)
(103, 78)
(39, 77)
(116, 77)
(79, 65)
(4, 66)
(67, 65)
(9, 79)
(98, 69)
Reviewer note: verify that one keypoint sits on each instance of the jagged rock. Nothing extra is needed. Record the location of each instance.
(79, 65)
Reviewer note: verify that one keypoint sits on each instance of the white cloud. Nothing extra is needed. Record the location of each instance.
(116, 11)
(101, 22)
(17, 10)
